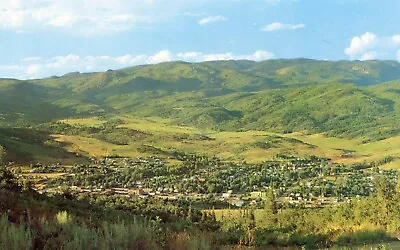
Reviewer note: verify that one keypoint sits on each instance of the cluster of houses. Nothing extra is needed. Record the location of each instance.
(297, 181)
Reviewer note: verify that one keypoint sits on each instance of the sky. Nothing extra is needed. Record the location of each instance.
(43, 38)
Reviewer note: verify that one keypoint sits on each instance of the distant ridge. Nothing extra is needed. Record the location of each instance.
(344, 98)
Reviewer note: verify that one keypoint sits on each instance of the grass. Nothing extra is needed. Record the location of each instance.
(236, 215)
(34, 149)
(157, 125)
(86, 146)
(234, 146)
(373, 151)
(87, 121)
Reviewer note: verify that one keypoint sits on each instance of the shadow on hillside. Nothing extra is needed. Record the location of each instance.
(24, 146)
(26, 102)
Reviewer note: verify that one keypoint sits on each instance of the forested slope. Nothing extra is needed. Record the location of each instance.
(344, 98)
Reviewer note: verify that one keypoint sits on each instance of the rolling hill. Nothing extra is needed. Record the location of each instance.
(352, 99)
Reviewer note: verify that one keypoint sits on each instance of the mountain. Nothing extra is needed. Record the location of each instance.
(342, 98)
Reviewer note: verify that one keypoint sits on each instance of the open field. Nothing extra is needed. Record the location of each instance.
(88, 121)
(155, 125)
(87, 146)
(359, 152)
(250, 146)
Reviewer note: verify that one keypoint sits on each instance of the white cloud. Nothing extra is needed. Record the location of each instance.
(361, 44)
(211, 19)
(162, 56)
(262, 55)
(217, 57)
(370, 55)
(129, 59)
(199, 56)
(396, 39)
(63, 21)
(370, 46)
(190, 55)
(84, 17)
(33, 70)
(281, 26)
(37, 67)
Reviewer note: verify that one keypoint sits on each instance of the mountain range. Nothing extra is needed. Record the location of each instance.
(339, 98)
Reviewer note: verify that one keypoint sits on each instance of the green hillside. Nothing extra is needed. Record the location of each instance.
(342, 98)
(27, 145)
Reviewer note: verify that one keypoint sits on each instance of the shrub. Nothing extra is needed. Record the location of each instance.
(63, 217)
(363, 237)
(13, 236)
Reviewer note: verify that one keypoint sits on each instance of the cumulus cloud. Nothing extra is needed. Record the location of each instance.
(261, 55)
(360, 45)
(162, 56)
(211, 19)
(369, 46)
(84, 17)
(282, 26)
(38, 67)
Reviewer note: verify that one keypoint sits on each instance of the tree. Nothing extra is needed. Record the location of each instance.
(7, 179)
(2, 155)
(398, 184)
(385, 199)
(189, 214)
(270, 208)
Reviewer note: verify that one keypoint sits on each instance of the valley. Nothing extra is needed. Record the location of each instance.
(274, 153)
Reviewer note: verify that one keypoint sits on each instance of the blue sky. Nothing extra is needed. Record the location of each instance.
(41, 38)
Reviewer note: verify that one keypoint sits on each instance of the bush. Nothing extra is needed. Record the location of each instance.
(363, 237)
(63, 217)
(188, 241)
(14, 236)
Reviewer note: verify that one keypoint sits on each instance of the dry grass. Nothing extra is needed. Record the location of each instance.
(86, 146)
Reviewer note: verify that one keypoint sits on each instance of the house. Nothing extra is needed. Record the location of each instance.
(120, 190)
(226, 195)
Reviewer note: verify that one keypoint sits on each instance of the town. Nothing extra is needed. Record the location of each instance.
(308, 181)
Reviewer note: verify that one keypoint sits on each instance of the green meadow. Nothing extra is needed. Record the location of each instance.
(251, 146)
